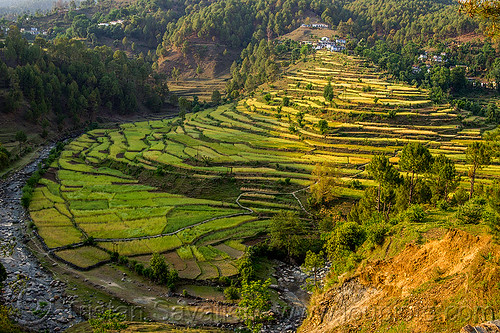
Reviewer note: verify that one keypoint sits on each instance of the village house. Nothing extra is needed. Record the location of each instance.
(110, 23)
(334, 46)
(422, 57)
(315, 25)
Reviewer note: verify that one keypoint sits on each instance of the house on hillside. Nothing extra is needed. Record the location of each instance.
(422, 57)
(319, 25)
(333, 46)
(437, 58)
(110, 23)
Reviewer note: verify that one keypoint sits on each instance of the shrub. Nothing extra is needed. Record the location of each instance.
(376, 233)
(139, 268)
(415, 214)
(108, 321)
(3, 274)
(122, 260)
(231, 293)
(471, 212)
(459, 197)
(355, 184)
(89, 241)
(225, 280)
(346, 238)
(27, 196)
(443, 205)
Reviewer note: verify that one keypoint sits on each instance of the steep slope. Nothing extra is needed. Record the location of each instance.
(437, 287)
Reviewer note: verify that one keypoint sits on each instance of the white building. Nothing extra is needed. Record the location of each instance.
(320, 25)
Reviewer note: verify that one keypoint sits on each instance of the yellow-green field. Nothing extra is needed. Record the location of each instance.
(109, 184)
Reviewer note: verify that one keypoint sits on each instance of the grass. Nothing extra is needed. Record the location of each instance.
(84, 256)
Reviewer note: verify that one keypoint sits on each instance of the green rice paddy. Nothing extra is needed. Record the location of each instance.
(97, 187)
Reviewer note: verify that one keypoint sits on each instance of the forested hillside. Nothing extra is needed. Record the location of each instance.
(117, 57)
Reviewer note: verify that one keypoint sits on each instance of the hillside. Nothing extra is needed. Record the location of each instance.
(439, 286)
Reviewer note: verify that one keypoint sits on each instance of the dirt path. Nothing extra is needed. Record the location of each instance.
(37, 298)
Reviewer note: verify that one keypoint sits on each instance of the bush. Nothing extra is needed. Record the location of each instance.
(355, 184)
(443, 205)
(139, 268)
(89, 241)
(225, 280)
(346, 238)
(376, 233)
(122, 260)
(471, 212)
(459, 197)
(231, 293)
(415, 214)
(27, 196)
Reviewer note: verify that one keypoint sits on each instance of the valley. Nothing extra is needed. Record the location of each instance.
(250, 166)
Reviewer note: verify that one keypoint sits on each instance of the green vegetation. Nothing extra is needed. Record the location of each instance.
(108, 321)
(170, 186)
(255, 304)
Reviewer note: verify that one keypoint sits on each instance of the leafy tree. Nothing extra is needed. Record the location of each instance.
(184, 104)
(323, 126)
(246, 268)
(254, 304)
(216, 97)
(384, 173)
(346, 238)
(175, 73)
(328, 92)
(324, 190)
(21, 137)
(4, 158)
(478, 155)
(160, 271)
(313, 263)
(415, 159)
(444, 177)
(287, 231)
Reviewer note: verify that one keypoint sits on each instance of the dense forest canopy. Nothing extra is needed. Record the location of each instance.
(71, 81)
(104, 54)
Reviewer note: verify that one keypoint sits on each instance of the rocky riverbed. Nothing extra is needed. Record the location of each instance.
(38, 300)
(291, 286)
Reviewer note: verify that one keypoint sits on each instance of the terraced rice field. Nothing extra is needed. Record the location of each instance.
(97, 187)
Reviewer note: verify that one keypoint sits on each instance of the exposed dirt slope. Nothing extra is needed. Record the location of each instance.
(437, 287)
